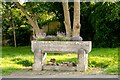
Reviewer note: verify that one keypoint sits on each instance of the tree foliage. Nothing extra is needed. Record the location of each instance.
(105, 18)
(12, 14)
(99, 21)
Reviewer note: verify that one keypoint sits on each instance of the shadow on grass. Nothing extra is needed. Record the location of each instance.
(8, 71)
(68, 60)
(23, 62)
(12, 51)
(115, 69)
(104, 64)
(91, 63)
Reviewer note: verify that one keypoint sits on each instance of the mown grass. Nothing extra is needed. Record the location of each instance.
(14, 59)
(105, 58)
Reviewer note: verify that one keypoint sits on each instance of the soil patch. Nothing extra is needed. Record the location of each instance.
(29, 72)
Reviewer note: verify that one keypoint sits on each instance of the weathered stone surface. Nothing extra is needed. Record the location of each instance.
(61, 46)
(77, 38)
(82, 60)
(79, 47)
(37, 67)
(37, 60)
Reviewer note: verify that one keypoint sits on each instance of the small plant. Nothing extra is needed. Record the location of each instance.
(54, 38)
(60, 37)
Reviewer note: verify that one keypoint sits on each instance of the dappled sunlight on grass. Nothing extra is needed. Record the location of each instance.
(104, 52)
(112, 69)
(62, 57)
(14, 59)
(100, 62)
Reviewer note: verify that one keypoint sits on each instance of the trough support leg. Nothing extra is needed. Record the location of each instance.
(37, 66)
(82, 60)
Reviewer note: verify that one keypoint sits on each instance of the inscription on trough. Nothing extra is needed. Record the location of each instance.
(82, 48)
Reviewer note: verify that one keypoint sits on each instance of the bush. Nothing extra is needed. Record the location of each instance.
(22, 36)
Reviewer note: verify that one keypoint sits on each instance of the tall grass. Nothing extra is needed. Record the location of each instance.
(14, 59)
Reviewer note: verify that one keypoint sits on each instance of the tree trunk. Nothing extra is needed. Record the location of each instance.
(67, 18)
(13, 28)
(76, 21)
(14, 33)
(33, 24)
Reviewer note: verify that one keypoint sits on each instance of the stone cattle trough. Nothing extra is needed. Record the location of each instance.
(81, 48)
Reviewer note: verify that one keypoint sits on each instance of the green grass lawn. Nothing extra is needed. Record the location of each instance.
(14, 59)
